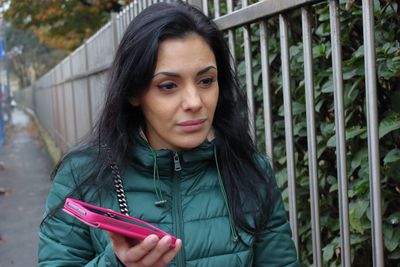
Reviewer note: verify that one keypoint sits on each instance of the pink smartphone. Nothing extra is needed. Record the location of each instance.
(110, 220)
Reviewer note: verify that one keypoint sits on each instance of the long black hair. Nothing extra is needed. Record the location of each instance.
(247, 185)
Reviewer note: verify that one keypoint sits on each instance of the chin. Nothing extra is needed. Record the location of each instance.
(191, 144)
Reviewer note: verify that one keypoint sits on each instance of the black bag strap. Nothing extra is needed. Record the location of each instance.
(119, 187)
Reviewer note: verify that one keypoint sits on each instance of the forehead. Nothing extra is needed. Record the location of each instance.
(191, 50)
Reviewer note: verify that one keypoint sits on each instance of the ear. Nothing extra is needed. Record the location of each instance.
(135, 102)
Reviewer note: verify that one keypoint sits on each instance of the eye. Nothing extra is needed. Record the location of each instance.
(166, 86)
(206, 82)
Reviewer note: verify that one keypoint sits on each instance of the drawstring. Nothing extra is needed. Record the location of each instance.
(156, 181)
(221, 184)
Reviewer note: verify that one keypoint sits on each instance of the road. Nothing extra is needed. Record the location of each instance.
(24, 184)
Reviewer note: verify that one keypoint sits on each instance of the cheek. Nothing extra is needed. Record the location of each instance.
(158, 113)
(213, 100)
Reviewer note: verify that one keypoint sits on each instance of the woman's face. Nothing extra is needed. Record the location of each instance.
(180, 103)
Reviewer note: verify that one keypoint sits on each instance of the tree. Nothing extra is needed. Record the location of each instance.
(62, 24)
(28, 58)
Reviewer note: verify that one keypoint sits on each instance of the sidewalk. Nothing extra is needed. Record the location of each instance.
(24, 184)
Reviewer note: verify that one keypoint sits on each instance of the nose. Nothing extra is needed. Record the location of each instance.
(191, 98)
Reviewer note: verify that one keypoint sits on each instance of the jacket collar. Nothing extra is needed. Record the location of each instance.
(145, 157)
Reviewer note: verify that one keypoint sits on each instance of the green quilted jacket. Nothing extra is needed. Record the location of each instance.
(195, 211)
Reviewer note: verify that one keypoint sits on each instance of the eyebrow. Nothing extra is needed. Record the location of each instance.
(173, 74)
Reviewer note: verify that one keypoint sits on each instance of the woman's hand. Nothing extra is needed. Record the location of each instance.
(152, 251)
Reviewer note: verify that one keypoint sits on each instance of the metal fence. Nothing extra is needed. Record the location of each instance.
(68, 98)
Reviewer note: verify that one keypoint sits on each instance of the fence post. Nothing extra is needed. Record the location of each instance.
(114, 28)
(88, 86)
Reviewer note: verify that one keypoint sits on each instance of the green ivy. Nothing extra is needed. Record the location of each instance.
(387, 34)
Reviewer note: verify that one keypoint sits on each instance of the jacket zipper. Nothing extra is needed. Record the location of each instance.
(177, 209)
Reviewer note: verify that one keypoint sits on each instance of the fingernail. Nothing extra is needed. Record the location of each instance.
(167, 239)
(153, 239)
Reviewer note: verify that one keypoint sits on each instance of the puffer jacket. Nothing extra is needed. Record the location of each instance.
(195, 211)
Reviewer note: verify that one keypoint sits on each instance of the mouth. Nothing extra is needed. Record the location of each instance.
(192, 125)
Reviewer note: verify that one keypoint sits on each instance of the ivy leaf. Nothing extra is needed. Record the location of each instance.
(350, 133)
(357, 239)
(327, 128)
(361, 207)
(333, 188)
(355, 222)
(354, 131)
(298, 108)
(390, 123)
(350, 73)
(331, 142)
(391, 244)
(359, 156)
(392, 156)
(281, 178)
(357, 211)
(391, 238)
(300, 129)
(327, 87)
(328, 252)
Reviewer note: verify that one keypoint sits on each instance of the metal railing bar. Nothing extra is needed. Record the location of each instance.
(340, 132)
(231, 44)
(131, 12)
(257, 11)
(140, 8)
(266, 87)
(217, 12)
(373, 132)
(119, 27)
(249, 77)
(229, 5)
(231, 35)
(287, 102)
(311, 137)
(126, 15)
(249, 80)
(205, 7)
(135, 8)
(122, 13)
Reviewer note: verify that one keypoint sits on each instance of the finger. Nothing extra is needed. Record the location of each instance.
(121, 239)
(119, 242)
(142, 249)
(167, 257)
(163, 246)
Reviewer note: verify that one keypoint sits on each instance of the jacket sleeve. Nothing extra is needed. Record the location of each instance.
(274, 246)
(63, 240)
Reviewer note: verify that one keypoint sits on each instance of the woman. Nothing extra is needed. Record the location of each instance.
(173, 128)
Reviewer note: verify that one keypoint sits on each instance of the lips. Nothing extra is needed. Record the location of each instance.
(192, 125)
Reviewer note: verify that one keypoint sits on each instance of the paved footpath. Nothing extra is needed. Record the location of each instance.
(24, 183)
